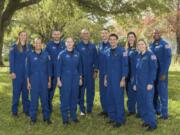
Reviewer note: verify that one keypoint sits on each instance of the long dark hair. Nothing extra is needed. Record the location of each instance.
(135, 42)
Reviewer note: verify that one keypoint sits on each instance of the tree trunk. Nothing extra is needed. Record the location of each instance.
(1, 42)
(177, 56)
(178, 28)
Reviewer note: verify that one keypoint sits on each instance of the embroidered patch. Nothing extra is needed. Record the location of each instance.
(75, 55)
(153, 57)
(49, 57)
(67, 56)
(53, 47)
(167, 46)
(125, 54)
(83, 48)
(12, 49)
(35, 58)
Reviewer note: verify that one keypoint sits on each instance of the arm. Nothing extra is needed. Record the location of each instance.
(59, 69)
(124, 68)
(11, 59)
(124, 65)
(167, 59)
(152, 69)
(28, 72)
(95, 63)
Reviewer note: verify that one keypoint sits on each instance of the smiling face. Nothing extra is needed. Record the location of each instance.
(113, 41)
(156, 35)
(38, 44)
(131, 40)
(23, 37)
(56, 35)
(142, 47)
(69, 43)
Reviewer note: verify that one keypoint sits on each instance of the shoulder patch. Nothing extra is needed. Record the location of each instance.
(167, 46)
(153, 57)
(125, 54)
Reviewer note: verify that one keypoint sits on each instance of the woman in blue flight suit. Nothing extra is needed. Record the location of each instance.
(39, 72)
(18, 53)
(69, 72)
(132, 58)
(146, 69)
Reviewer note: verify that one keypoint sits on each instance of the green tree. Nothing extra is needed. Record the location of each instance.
(7, 10)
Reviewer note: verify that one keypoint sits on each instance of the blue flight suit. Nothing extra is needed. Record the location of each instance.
(116, 68)
(163, 53)
(38, 70)
(132, 101)
(89, 61)
(17, 66)
(69, 69)
(102, 52)
(53, 50)
(145, 74)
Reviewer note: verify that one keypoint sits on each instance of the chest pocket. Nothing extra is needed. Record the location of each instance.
(142, 63)
(115, 57)
(158, 50)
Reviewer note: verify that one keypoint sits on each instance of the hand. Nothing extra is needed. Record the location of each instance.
(28, 86)
(95, 75)
(13, 75)
(59, 83)
(49, 85)
(80, 82)
(105, 82)
(134, 88)
(163, 77)
(149, 87)
(122, 83)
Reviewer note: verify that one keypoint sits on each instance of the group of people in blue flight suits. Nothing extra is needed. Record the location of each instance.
(137, 69)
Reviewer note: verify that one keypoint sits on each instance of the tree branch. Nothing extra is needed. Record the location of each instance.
(13, 6)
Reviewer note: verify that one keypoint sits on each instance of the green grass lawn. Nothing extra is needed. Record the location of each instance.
(91, 124)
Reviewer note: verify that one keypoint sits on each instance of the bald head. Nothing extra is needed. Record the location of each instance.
(85, 35)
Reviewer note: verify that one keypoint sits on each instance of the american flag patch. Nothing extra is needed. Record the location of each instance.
(125, 54)
(11, 49)
(49, 57)
(153, 57)
(167, 46)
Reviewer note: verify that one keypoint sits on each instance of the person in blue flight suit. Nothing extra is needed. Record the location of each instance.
(162, 50)
(69, 73)
(18, 54)
(38, 70)
(115, 74)
(146, 70)
(54, 47)
(88, 53)
(132, 59)
(102, 51)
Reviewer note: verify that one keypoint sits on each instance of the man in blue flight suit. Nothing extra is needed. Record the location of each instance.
(116, 72)
(88, 53)
(162, 50)
(102, 52)
(54, 47)
(69, 69)
(39, 72)
(18, 54)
